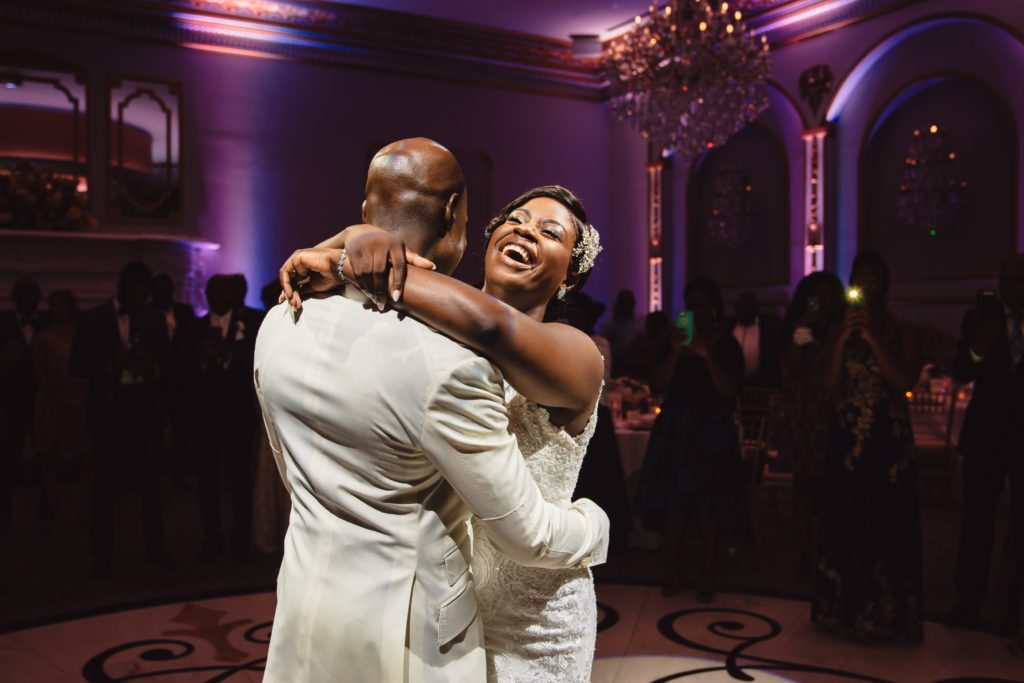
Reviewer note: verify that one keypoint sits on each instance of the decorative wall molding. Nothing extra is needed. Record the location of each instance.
(348, 35)
(799, 20)
(655, 262)
(814, 200)
(356, 36)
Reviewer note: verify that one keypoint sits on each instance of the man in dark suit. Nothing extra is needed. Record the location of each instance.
(228, 417)
(17, 385)
(119, 348)
(991, 354)
(760, 336)
(179, 409)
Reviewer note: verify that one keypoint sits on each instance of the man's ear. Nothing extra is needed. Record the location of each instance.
(362, 211)
(449, 210)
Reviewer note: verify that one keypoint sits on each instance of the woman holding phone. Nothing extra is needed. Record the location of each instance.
(692, 471)
(802, 426)
(868, 577)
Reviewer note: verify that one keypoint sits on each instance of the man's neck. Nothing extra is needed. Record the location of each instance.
(417, 238)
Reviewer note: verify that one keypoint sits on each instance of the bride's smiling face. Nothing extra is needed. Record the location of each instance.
(532, 250)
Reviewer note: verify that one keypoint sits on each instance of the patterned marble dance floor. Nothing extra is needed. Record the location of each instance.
(644, 638)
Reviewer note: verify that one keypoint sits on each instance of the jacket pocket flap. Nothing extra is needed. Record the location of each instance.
(457, 613)
(455, 565)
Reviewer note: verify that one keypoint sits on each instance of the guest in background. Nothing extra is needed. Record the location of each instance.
(868, 580)
(119, 348)
(991, 354)
(271, 500)
(17, 386)
(803, 419)
(59, 434)
(601, 478)
(648, 350)
(270, 294)
(227, 419)
(179, 410)
(761, 337)
(620, 331)
(692, 469)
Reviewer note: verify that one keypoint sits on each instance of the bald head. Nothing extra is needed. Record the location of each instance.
(415, 188)
(1011, 282)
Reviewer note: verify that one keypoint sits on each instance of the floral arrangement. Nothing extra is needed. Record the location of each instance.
(35, 199)
(633, 394)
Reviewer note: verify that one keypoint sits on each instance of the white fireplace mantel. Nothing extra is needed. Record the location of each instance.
(87, 263)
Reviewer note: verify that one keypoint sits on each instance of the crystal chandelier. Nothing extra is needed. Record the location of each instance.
(688, 76)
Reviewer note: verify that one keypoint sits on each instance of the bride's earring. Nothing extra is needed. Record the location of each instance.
(562, 291)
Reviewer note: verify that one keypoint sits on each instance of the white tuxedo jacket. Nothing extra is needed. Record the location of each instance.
(389, 436)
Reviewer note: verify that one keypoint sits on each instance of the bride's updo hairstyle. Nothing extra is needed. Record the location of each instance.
(588, 242)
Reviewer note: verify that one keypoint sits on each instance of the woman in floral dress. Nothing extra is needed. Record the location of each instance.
(867, 583)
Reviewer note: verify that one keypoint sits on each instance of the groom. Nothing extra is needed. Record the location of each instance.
(389, 437)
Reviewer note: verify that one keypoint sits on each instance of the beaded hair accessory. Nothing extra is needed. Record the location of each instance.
(588, 246)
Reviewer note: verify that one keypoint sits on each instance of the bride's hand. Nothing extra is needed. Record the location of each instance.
(377, 261)
(311, 270)
(372, 254)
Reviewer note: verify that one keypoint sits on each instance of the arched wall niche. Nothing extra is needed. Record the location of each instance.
(739, 215)
(783, 123)
(950, 133)
(972, 46)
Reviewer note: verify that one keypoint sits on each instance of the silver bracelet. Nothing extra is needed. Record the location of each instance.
(340, 269)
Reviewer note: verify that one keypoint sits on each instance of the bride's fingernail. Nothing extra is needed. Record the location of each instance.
(395, 294)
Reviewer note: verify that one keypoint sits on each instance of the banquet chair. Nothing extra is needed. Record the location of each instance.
(756, 399)
(763, 485)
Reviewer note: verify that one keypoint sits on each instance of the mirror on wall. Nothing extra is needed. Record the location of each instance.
(145, 145)
(43, 165)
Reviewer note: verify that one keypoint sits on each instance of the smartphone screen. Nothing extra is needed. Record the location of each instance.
(684, 322)
(855, 298)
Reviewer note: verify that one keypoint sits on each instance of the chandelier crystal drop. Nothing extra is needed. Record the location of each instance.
(689, 75)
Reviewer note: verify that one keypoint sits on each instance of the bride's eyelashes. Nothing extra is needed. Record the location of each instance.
(553, 233)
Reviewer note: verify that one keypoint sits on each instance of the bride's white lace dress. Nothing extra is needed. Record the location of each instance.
(539, 624)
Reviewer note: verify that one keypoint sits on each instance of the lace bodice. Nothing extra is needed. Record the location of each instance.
(552, 455)
(539, 624)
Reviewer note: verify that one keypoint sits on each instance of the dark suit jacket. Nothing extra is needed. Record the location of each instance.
(182, 345)
(994, 423)
(770, 348)
(17, 381)
(227, 392)
(97, 350)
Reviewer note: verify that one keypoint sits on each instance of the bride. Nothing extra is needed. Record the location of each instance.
(539, 624)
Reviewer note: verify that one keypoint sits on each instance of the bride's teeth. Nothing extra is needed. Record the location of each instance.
(515, 248)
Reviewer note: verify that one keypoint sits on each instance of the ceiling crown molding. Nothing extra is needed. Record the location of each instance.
(349, 35)
(329, 33)
(797, 20)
